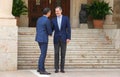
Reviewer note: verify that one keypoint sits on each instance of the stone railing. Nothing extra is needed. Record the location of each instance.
(114, 35)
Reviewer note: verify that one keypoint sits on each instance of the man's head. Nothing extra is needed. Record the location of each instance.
(47, 12)
(58, 11)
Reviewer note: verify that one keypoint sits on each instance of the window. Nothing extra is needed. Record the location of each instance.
(37, 2)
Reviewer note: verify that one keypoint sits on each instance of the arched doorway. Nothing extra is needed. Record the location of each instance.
(36, 7)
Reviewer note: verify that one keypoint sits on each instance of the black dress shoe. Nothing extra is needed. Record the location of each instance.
(38, 70)
(56, 71)
(45, 73)
(62, 71)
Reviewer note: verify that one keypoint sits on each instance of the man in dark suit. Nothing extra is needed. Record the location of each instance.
(62, 36)
(43, 29)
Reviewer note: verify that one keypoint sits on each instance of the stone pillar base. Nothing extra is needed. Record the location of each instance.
(83, 26)
(8, 44)
(110, 26)
(8, 22)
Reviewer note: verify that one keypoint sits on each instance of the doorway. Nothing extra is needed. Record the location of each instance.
(36, 7)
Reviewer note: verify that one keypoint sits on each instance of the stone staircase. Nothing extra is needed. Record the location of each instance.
(88, 48)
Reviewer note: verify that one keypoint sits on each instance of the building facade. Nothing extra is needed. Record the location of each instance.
(9, 30)
(74, 9)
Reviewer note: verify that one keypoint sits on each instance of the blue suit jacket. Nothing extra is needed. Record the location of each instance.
(64, 33)
(43, 29)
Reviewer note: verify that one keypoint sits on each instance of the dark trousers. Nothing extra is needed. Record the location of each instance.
(60, 48)
(41, 62)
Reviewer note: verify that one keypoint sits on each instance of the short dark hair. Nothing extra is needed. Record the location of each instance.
(46, 10)
(59, 7)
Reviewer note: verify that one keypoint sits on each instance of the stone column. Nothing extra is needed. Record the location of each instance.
(5, 9)
(109, 18)
(75, 7)
(8, 37)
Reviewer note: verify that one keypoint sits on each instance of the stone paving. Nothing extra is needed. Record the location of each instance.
(69, 73)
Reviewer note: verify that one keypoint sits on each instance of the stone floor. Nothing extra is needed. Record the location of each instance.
(69, 73)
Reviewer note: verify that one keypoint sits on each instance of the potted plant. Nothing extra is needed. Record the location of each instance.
(19, 8)
(98, 10)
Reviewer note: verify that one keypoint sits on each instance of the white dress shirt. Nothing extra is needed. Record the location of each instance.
(59, 21)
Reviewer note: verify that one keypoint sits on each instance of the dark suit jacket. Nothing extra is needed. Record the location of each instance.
(43, 29)
(64, 33)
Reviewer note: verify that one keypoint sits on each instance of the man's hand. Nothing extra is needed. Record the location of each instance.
(68, 40)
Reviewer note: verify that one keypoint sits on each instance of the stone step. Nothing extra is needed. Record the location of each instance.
(73, 30)
(74, 56)
(85, 43)
(75, 40)
(89, 55)
(70, 49)
(87, 49)
(83, 54)
(22, 34)
(72, 39)
(89, 31)
(71, 64)
(27, 43)
(49, 57)
(76, 59)
(71, 42)
(96, 66)
(70, 45)
(73, 35)
(76, 66)
(73, 51)
(22, 44)
(35, 63)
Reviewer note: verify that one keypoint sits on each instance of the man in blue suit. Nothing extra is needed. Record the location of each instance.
(43, 29)
(62, 36)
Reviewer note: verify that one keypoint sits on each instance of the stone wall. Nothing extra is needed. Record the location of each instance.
(74, 12)
(116, 15)
(8, 47)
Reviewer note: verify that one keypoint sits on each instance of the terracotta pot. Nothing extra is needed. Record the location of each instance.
(98, 24)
